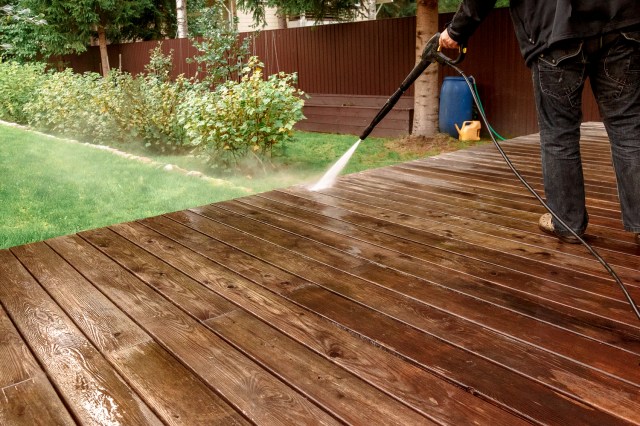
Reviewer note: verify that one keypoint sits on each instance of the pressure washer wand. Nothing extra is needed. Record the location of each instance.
(431, 53)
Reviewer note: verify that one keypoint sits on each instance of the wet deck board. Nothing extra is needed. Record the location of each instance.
(421, 293)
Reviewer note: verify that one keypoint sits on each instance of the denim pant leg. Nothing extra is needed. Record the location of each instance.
(558, 81)
(616, 86)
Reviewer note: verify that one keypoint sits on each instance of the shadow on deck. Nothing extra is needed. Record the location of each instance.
(414, 294)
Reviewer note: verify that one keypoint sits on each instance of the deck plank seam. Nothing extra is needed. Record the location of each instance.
(357, 335)
(422, 302)
(408, 359)
(376, 344)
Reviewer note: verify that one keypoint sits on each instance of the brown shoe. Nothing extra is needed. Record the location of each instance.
(546, 225)
(638, 238)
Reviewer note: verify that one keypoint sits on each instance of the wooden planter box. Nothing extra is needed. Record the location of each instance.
(351, 114)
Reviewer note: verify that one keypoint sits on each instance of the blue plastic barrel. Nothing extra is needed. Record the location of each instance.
(456, 105)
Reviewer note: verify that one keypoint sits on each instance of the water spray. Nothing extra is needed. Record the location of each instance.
(431, 54)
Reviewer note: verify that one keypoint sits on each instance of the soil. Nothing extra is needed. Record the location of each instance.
(421, 145)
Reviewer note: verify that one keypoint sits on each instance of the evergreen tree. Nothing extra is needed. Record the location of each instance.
(71, 24)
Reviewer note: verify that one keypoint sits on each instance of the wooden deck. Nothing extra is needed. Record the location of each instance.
(416, 294)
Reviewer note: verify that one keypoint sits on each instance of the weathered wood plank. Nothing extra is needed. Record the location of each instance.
(472, 184)
(526, 163)
(435, 212)
(414, 386)
(527, 159)
(163, 382)
(604, 185)
(480, 179)
(422, 187)
(467, 184)
(387, 205)
(535, 332)
(27, 397)
(432, 165)
(516, 356)
(432, 355)
(393, 199)
(347, 398)
(507, 196)
(576, 258)
(92, 390)
(394, 254)
(471, 180)
(251, 390)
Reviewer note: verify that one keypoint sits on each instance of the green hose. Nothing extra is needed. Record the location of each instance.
(491, 129)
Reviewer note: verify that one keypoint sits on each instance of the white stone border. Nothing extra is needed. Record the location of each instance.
(145, 160)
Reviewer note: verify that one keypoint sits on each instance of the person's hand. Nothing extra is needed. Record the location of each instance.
(447, 42)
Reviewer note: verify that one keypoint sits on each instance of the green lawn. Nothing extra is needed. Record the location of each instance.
(50, 187)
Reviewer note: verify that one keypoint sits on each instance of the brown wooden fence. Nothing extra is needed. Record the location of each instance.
(370, 59)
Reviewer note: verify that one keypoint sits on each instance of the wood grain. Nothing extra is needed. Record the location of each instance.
(92, 389)
(27, 397)
(421, 293)
(251, 390)
(540, 365)
(414, 386)
(170, 389)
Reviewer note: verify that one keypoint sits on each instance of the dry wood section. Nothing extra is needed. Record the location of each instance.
(416, 294)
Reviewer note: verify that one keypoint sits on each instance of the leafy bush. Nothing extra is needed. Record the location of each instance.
(146, 107)
(221, 53)
(237, 120)
(23, 35)
(18, 83)
(119, 108)
(243, 118)
(73, 105)
(159, 65)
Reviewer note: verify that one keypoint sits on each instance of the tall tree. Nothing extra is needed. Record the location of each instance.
(425, 104)
(181, 18)
(75, 22)
(21, 38)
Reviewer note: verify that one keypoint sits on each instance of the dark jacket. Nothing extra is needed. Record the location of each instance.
(541, 23)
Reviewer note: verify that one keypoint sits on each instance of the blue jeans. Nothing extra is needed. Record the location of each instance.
(612, 64)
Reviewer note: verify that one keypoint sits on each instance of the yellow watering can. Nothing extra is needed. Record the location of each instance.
(470, 131)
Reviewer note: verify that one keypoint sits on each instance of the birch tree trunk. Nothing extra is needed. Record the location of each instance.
(282, 19)
(104, 58)
(181, 15)
(426, 97)
(371, 9)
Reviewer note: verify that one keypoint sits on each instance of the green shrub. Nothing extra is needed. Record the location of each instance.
(18, 84)
(120, 108)
(160, 65)
(221, 52)
(73, 105)
(145, 109)
(245, 118)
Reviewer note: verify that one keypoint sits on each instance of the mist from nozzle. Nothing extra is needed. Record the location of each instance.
(331, 175)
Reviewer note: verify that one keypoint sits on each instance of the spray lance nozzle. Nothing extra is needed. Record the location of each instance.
(430, 54)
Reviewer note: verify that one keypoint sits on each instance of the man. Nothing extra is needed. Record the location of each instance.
(564, 42)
